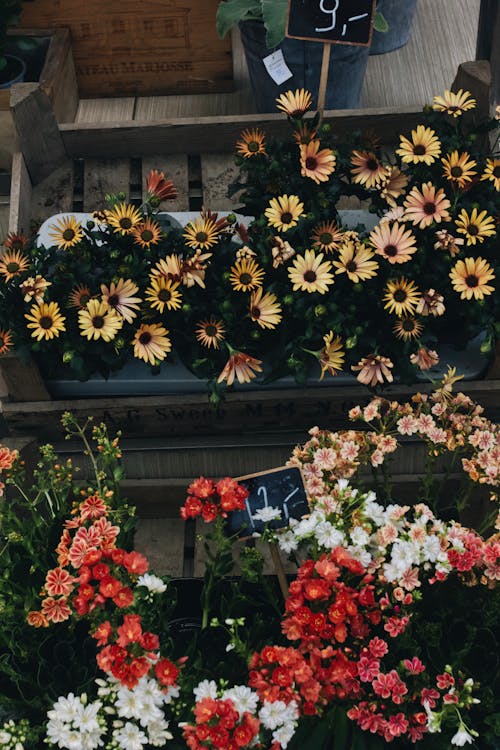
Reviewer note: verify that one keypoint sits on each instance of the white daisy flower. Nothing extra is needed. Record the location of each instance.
(152, 583)
(205, 689)
(130, 737)
(243, 697)
(267, 514)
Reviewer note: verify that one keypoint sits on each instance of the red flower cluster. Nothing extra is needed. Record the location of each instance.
(101, 579)
(209, 499)
(219, 725)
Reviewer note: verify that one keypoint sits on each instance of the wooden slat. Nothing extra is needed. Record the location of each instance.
(37, 130)
(488, 46)
(218, 134)
(162, 541)
(193, 105)
(175, 168)
(105, 110)
(217, 172)
(102, 176)
(184, 414)
(53, 195)
(20, 196)
(58, 77)
(8, 136)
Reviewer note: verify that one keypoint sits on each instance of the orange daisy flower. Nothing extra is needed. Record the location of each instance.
(241, 366)
(251, 143)
(327, 236)
(492, 172)
(210, 332)
(459, 168)
(79, 296)
(16, 241)
(316, 164)
(424, 207)
(12, 263)
(368, 171)
(6, 342)
(294, 103)
(158, 188)
(374, 369)
(393, 242)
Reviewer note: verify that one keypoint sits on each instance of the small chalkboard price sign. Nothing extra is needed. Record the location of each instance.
(281, 488)
(331, 21)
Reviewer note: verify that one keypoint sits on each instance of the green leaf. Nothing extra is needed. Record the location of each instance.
(231, 12)
(274, 13)
(379, 23)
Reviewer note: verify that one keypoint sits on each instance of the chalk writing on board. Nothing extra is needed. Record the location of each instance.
(281, 488)
(334, 21)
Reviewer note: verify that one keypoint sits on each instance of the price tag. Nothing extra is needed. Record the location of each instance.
(277, 67)
(331, 21)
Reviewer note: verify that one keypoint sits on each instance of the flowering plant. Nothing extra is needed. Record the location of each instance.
(379, 638)
(294, 293)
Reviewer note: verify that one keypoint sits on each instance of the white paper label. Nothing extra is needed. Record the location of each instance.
(277, 67)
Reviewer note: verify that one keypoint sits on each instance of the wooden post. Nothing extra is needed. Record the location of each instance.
(487, 44)
(22, 379)
(323, 79)
(20, 196)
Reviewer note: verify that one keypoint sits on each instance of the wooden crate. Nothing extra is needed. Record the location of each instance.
(130, 48)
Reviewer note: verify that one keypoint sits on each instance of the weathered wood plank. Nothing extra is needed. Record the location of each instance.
(175, 168)
(217, 172)
(162, 541)
(102, 176)
(475, 77)
(37, 130)
(58, 77)
(20, 196)
(184, 414)
(218, 134)
(54, 194)
(105, 110)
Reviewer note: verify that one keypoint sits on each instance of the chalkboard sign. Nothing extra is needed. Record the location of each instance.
(334, 21)
(281, 488)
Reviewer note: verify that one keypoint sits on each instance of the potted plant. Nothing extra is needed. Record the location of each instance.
(296, 292)
(262, 27)
(12, 67)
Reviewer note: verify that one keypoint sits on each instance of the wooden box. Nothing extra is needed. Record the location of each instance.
(140, 48)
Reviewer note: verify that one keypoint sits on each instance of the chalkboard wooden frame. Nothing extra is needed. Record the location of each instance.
(326, 37)
(233, 526)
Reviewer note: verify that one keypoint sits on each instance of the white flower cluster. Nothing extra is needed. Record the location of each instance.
(131, 719)
(281, 719)
(277, 717)
(382, 538)
(75, 724)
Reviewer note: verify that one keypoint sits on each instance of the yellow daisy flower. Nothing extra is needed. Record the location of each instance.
(163, 294)
(294, 103)
(470, 277)
(284, 212)
(67, 232)
(45, 320)
(476, 227)
(201, 233)
(459, 168)
(355, 260)
(401, 297)
(124, 218)
(454, 103)
(246, 275)
(265, 309)
(327, 236)
(423, 147)
(332, 356)
(309, 274)
(392, 185)
(98, 321)
(492, 172)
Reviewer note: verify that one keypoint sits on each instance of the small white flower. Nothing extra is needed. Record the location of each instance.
(359, 536)
(205, 689)
(130, 737)
(152, 583)
(287, 542)
(243, 697)
(342, 484)
(462, 736)
(271, 714)
(158, 733)
(284, 734)
(328, 536)
(128, 704)
(267, 514)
